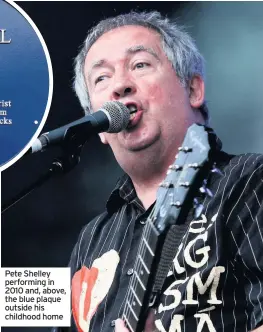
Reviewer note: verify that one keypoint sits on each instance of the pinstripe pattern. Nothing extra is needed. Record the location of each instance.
(221, 286)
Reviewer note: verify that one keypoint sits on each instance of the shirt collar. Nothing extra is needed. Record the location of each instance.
(124, 192)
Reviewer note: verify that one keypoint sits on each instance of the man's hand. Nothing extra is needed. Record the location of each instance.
(149, 325)
(120, 326)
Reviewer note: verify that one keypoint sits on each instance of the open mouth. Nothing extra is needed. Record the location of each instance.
(135, 115)
(133, 109)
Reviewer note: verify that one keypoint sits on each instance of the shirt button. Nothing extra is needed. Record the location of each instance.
(142, 222)
(130, 272)
(112, 323)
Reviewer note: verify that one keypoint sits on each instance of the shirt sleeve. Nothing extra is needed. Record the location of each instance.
(245, 220)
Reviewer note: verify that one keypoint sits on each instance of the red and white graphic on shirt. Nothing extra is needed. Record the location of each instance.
(90, 286)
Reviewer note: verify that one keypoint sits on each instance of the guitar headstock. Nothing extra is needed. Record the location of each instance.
(186, 178)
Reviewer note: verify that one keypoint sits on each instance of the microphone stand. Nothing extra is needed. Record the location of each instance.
(73, 141)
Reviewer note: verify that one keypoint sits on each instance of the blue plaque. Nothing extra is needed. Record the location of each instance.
(26, 82)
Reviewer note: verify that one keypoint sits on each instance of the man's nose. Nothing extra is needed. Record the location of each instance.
(123, 88)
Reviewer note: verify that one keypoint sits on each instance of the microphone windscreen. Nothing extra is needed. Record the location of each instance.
(118, 114)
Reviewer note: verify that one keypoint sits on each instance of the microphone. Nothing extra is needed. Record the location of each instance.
(113, 117)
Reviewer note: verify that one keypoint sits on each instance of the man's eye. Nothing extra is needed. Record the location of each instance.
(100, 78)
(140, 65)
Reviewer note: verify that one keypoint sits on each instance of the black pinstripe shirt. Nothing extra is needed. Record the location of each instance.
(216, 279)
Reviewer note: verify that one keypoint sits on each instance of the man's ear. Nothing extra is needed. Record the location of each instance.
(103, 138)
(197, 91)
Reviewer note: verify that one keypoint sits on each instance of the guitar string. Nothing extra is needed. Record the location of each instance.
(142, 249)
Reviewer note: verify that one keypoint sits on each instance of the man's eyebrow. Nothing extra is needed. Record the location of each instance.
(141, 48)
(96, 64)
(131, 50)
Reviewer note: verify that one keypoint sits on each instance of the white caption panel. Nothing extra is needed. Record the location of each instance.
(35, 296)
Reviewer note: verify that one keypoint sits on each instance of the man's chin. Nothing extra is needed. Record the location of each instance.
(141, 146)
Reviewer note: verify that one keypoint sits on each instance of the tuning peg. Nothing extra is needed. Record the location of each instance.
(198, 210)
(216, 170)
(196, 202)
(175, 168)
(194, 165)
(176, 204)
(185, 149)
(184, 184)
(166, 184)
(209, 192)
(206, 191)
(202, 190)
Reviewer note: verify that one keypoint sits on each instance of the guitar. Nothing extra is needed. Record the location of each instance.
(175, 197)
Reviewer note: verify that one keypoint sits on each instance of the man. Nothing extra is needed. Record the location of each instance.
(215, 281)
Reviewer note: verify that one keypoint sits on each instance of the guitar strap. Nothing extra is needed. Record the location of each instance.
(171, 243)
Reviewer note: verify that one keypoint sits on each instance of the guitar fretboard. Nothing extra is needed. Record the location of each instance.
(138, 284)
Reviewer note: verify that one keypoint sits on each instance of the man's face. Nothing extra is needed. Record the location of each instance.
(128, 64)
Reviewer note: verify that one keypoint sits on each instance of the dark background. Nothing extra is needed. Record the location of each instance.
(41, 229)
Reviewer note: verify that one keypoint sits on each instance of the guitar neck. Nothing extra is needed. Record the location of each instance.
(184, 186)
(140, 287)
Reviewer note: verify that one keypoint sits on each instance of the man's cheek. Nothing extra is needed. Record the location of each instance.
(155, 93)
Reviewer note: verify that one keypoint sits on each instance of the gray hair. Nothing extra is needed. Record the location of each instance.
(178, 46)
